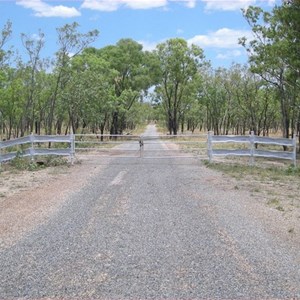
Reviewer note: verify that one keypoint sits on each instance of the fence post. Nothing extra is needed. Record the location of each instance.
(0, 155)
(72, 150)
(32, 146)
(209, 146)
(251, 138)
(295, 151)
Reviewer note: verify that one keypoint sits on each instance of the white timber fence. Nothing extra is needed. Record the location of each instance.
(34, 145)
(251, 151)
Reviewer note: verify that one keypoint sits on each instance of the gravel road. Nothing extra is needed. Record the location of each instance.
(153, 229)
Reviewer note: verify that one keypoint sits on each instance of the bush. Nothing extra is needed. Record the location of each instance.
(23, 164)
(291, 170)
(55, 161)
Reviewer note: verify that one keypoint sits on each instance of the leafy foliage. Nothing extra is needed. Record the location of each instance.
(117, 87)
(274, 55)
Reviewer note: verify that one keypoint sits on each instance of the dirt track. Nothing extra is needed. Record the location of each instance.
(134, 228)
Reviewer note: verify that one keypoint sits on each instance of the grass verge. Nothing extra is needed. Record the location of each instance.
(26, 164)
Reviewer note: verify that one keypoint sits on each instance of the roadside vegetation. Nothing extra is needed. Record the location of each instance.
(26, 164)
(116, 88)
(260, 170)
(271, 183)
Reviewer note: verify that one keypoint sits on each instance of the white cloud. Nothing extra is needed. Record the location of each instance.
(188, 3)
(102, 5)
(145, 4)
(229, 54)
(223, 38)
(148, 46)
(43, 9)
(112, 5)
(227, 4)
(234, 4)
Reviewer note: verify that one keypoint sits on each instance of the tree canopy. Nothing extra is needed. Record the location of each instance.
(115, 88)
(274, 55)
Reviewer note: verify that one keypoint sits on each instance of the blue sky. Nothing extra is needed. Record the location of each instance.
(214, 25)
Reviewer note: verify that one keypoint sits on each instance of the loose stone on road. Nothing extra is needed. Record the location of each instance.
(152, 229)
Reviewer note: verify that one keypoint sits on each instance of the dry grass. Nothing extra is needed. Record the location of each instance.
(274, 183)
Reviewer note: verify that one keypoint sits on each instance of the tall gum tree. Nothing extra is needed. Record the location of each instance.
(4, 38)
(5, 78)
(11, 102)
(250, 101)
(71, 43)
(274, 55)
(132, 79)
(89, 97)
(31, 72)
(179, 66)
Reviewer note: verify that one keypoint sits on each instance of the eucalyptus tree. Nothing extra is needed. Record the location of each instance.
(214, 98)
(274, 54)
(4, 38)
(193, 113)
(12, 102)
(30, 73)
(195, 116)
(251, 103)
(179, 66)
(131, 80)
(89, 94)
(71, 43)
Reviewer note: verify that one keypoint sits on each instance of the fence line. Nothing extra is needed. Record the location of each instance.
(251, 152)
(250, 140)
(34, 151)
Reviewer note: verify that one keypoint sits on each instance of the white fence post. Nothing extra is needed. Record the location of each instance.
(0, 155)
(72, 142)
(209, 146)
(295, 151)
(32, 147)
(252, 136)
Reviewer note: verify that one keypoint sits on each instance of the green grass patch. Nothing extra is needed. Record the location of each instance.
(274, 173)
(26, 164)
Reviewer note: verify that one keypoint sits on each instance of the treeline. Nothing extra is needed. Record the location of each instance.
(82, 88)
(114, 88)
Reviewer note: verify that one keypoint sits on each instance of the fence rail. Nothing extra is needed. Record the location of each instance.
(251, 152)
(35, 150)
(250, 141)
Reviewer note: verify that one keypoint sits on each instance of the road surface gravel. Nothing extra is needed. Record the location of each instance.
(152, 229)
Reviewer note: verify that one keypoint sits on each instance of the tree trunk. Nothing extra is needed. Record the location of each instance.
(115, 121)
(101, 132)
(175, 122)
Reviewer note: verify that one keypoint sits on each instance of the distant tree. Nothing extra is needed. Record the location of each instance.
(30, 74)
(251, 100)
(11, 102)
(132, 79)
(7, 76)
(71, 43)
(89, 94)
(179, 66)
